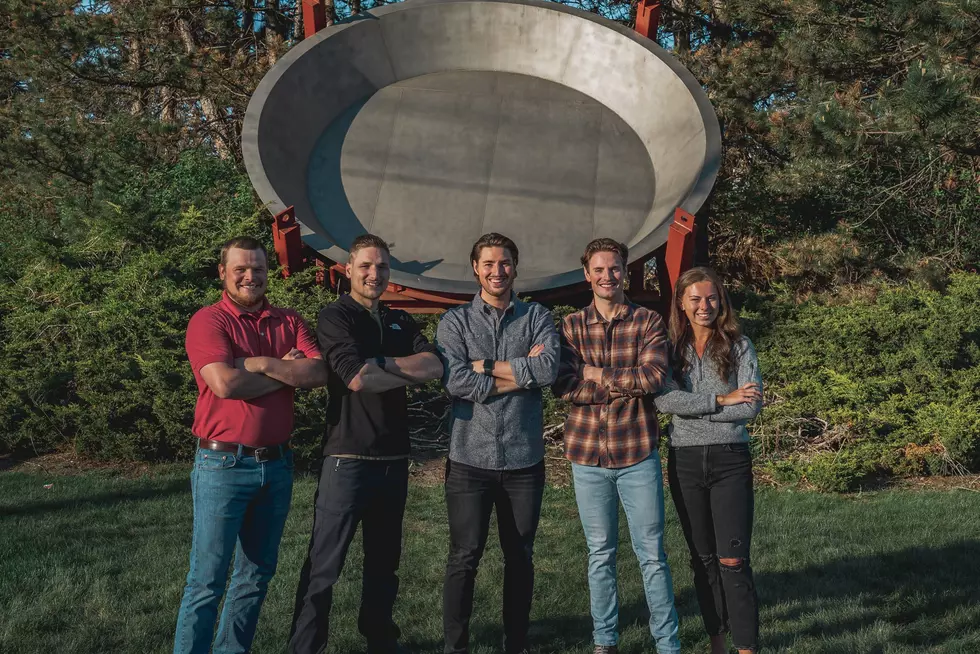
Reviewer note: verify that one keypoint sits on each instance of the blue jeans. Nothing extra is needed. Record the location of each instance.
(598, 492)
(240, 508)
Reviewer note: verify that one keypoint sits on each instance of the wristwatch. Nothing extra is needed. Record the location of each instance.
(488, 367)
(380, 361)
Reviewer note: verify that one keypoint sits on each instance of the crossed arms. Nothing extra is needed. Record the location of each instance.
(464, 376)
(361, 374)
(741, 405)
(579, 383)
(253, 377)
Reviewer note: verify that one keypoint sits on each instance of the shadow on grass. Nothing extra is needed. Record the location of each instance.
(935, 589)
(931, 596)
(145, 490)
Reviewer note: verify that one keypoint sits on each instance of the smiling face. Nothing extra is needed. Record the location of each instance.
(701, 303)
(606, 274)
(368, 270)
(496, 270)
(245, 277)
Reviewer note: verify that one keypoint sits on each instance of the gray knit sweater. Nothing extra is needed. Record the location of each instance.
(697, 418)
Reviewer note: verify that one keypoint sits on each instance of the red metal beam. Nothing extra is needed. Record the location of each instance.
(314, 17)
(647, 18)
(288, 242)
(680, 251)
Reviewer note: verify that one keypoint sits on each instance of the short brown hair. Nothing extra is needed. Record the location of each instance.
(242, 243)
(368, 241)
(605, 245)
(493, 240)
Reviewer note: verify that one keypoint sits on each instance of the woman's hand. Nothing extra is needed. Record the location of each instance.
(747, 394)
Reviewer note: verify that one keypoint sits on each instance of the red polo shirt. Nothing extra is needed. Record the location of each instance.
(225, 332)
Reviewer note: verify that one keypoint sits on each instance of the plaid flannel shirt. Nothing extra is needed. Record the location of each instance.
(605, 431)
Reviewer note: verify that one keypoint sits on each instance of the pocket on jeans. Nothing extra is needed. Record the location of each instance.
(211, 460)
(738, 448)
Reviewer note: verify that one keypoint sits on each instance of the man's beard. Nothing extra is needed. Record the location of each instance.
(246, 298)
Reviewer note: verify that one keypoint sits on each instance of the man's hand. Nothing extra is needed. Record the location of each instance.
(293, 355)
(747, 394)
(620, 394)
(592, 374)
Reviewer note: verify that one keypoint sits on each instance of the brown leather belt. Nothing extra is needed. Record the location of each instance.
(261, 454)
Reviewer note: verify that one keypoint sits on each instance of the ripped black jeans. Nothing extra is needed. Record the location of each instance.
(712, 489)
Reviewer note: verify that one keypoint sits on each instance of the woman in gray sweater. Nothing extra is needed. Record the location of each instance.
(715, 389)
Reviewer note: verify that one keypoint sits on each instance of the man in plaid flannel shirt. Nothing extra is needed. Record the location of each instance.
(613, 361)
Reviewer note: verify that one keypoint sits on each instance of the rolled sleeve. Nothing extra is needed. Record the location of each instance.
(458, 377)
(305, 340)
(335, 336)
(207, 340)
(541, 370)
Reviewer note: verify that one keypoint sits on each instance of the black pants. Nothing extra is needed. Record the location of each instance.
(471, 494)
(712, 490)
(353, 491)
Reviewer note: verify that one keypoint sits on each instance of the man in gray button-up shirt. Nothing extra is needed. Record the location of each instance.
(499, 353)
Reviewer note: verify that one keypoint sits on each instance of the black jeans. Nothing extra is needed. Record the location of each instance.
(712, 490)
(471, 494)
(353, 491)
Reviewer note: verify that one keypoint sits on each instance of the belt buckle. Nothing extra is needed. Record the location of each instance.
(260, 454)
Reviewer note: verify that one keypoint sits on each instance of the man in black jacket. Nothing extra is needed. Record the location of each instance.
(373, 353)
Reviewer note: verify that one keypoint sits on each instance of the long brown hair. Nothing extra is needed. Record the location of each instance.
(724, 336)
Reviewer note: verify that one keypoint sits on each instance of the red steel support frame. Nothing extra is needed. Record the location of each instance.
(678, 257)
(314, 17)
(288, 242)
(647, 18)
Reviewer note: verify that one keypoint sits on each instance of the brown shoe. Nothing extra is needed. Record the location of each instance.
(605, 649)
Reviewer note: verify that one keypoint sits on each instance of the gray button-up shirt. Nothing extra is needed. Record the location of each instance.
(500, 432)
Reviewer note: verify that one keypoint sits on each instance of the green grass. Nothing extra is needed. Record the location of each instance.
(97, 563)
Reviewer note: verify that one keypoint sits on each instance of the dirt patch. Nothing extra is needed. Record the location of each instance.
(959, 482)
(428, 470)
(64, 464)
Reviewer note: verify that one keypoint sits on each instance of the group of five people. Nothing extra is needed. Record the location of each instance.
(614, 362)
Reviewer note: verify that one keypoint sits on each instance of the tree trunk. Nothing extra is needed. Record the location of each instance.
(138, 105)
(212, 114)
(298, 22)
(168, 106)
(681, 27)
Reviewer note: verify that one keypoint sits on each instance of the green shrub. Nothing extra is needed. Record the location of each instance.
(886, 383)
(93, 318)
(99, 289)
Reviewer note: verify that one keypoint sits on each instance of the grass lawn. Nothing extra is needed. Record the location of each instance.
(97, 563)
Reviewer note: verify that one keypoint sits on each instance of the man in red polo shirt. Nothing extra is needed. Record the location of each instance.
(247, 357)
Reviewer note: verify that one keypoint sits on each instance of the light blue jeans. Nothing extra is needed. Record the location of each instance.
(240, 508)
(598, 492)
